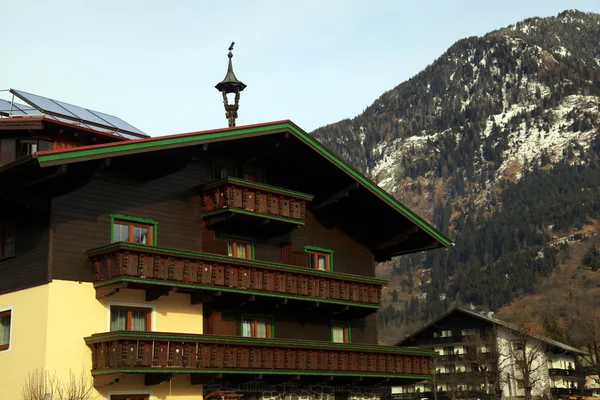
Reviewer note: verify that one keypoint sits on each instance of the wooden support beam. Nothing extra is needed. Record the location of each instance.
(341, 310)
(156, 293)
(202, 379)
(60, 171)
(106, 380)
(109, 290)
(151, 379)
(345, 192)
(204, 297)
(250, 299)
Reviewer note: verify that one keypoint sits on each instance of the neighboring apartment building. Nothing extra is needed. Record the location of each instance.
(472, 346)
(231, 262)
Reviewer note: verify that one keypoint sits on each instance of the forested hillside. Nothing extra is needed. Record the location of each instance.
(496, 143)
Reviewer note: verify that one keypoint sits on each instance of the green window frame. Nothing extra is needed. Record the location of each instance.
(153, 225)
(254, 319)
(315, 251)
(237, 240)
(347, 331)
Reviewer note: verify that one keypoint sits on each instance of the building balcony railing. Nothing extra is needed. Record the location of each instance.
(245, 198)
(563, 372)
(466, 356)
(155, 353)
(564, 391)
(160, 271)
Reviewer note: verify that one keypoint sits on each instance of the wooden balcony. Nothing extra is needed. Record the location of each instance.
(563, 372)
(241, 200)
(205, 276)
(209, 357)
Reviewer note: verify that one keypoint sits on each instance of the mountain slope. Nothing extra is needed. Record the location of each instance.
(494, 142)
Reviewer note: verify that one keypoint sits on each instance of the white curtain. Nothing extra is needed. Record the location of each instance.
(338, 334)
(138, 320)
(5, 329)
(118, 320)
(261, 329)
(247, 328)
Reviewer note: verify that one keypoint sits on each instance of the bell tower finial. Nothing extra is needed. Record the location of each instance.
(231, 84)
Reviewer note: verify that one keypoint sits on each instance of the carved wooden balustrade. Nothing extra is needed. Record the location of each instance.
(196, 272)
(252, 198)
(148, 352)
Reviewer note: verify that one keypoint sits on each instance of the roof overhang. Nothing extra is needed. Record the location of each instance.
(95, 152)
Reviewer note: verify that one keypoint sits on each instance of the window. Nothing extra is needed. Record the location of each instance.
(133, 230)
(257, 327)
(130, 319)
(447, 333)
(319, 259)
(129, 396)
(521, 383)
(239, 248)
(448, 351)
(469, 332)
(26, 147)
(5, 320)
(340, 333)
(518, 346)
(7, 241)
(253, 175)
(222, 170)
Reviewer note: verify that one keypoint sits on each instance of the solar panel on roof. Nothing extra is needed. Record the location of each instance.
(8, 109)
(88, 118)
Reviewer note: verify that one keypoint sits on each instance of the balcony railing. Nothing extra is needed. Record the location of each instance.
(563, 372)
(254, 199)
(153, 352)
(564, 391)
(152, 267)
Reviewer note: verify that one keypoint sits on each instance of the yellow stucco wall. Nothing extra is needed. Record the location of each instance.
(59, 315)
(28, 341)
(178, 389)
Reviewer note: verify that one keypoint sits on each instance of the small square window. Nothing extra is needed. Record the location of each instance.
(340, 333)
(319, 260)
(26, 147)
(239, 248)
(5, 327)
(130, 319)
(132, 230)
(257, 327)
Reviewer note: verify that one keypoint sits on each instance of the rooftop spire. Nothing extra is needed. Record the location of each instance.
(230, 84)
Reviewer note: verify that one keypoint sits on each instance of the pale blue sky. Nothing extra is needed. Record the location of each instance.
(155, 63)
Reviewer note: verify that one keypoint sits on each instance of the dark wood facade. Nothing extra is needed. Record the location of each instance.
(194, 215)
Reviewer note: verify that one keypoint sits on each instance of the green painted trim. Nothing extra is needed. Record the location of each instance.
(222, 160)
(254, 214)
(232, 133)
(255, 371)
(145, 221)
(254, 168)
(238, 237)
(339, 322)
(237, 260)
(270, 317)
(231, 290)
(258, 185)
(322, 250)
(118, 335)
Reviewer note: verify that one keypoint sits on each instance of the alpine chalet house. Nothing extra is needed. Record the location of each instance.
(215, 264)
(480, 355)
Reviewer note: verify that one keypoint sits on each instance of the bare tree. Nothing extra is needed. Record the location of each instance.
(584, 330)
(528, 358)
(41, 385)
(482, 355)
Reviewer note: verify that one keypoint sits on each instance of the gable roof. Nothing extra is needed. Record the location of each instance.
(493, 321)
(68, 156)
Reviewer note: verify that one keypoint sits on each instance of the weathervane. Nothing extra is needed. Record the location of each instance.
(230, 85)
